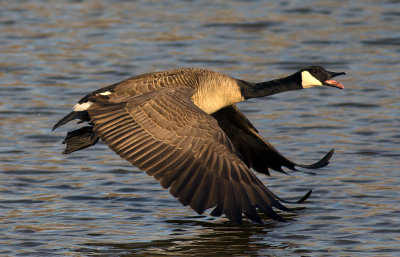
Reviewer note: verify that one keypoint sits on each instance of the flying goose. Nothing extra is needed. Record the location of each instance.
(182, 127)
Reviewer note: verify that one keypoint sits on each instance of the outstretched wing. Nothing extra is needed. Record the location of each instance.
(163, 133)
(257, 153)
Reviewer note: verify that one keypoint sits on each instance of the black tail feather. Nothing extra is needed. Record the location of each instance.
(80, 139)
(83, 115)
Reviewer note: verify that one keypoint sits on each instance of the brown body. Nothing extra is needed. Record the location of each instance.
(183, 128)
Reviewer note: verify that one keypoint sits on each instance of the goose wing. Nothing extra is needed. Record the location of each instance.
(163, 133)
(257, 152)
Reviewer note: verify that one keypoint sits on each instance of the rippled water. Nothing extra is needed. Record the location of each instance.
(94, 203)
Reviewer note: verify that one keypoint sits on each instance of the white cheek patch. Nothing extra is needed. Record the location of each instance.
(308, 80)
(82, 107)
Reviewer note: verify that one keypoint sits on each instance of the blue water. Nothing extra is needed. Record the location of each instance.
(92, 203)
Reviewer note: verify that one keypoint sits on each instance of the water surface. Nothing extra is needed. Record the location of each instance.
(94, 203)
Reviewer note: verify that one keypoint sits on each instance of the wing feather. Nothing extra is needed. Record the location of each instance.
(200, 201)
(256, 152)
(184, 148)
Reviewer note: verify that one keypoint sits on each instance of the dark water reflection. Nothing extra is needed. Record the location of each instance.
(94, 204)
(209, 239)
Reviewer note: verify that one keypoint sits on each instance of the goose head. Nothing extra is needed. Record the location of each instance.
(317, 76)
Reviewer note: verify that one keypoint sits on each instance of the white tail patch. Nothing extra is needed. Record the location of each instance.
(308, 80)
(105, 93)
(82, 107)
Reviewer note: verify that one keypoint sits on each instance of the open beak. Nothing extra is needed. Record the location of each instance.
(332, 82)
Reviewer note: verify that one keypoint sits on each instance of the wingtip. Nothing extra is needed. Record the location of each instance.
(301, 200)
(319, 164)
(305, 197)
(330, 153)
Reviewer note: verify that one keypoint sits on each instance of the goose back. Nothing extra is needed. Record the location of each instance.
(212, 90)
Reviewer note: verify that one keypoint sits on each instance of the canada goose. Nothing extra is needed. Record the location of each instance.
(182, 127)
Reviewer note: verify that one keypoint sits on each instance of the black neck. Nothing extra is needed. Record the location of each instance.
(253, 90)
